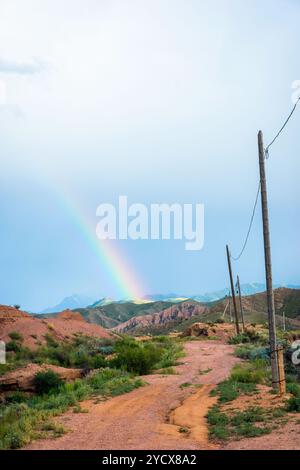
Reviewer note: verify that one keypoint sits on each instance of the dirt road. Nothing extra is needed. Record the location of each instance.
(161, 415)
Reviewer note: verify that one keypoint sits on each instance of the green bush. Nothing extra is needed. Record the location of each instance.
(293, 404)
(136, 357)
(14, 335)
(249, 351)
(249, 336)
(13, 346)
(47, 381)
(293, 388)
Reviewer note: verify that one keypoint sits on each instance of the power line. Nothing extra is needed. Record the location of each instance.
(282, 128)
(259, 186)
(250, 227)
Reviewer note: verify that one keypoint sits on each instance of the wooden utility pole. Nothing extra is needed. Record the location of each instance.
(237, 326)
(268, 264)
(241, 303)
(283, 321)
(281, 373)
(225, 309)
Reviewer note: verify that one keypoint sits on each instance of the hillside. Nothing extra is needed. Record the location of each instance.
(162, 320)
(179, 316)
(255, 306)
(114, 313)
(34, 330)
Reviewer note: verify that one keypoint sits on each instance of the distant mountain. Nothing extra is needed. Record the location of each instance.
(246, 289)
(100, 303)
(171, 297)
(73, 302)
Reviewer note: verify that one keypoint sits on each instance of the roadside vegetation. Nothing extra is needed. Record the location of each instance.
(229, 418)
(111, 367)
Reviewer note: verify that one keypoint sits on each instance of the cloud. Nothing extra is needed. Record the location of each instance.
(29, 67)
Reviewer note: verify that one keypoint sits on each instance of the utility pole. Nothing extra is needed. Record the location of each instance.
(283, 321)
(237, 326)
(268, 264)
(241, 304)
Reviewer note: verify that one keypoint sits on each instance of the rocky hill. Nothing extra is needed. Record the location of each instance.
(175, 313)
(34, 330)
(114, 313)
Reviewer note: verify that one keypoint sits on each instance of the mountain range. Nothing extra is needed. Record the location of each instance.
(77, 301)
(161, 317)
(70, 303)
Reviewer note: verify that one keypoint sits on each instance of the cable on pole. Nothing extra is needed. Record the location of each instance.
(250, 227)
(282, 128)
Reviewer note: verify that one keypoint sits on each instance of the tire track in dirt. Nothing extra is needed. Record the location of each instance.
(152, 416)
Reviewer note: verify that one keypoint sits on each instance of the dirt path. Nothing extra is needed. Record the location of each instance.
(152, 416)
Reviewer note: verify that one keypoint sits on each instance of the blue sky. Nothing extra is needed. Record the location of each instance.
(158, 100)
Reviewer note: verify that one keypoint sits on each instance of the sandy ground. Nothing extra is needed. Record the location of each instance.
(152, 416)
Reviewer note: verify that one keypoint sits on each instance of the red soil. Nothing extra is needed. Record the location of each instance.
(33, 329)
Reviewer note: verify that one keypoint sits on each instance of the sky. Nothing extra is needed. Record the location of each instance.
(157, 100)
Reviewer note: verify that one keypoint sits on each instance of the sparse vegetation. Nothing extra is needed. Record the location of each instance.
(185, 385)
(252, 422)
(15, 336)
(226, 423)
(22, 422)
(113, 363)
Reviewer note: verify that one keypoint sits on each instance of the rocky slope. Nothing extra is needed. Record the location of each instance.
(178, 312)
(34, 330)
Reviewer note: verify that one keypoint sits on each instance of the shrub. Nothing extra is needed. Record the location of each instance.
(293, 404)
(293, 388)
(13, 346)
(47, 381)
(249, 336)
(14, 335)
(136, 357)
(249, 351)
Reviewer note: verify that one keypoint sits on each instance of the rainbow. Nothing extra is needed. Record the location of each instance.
(122, 277)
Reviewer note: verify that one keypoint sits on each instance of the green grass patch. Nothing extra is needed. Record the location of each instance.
(185, 385)
(22, 422)
(239, 424)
